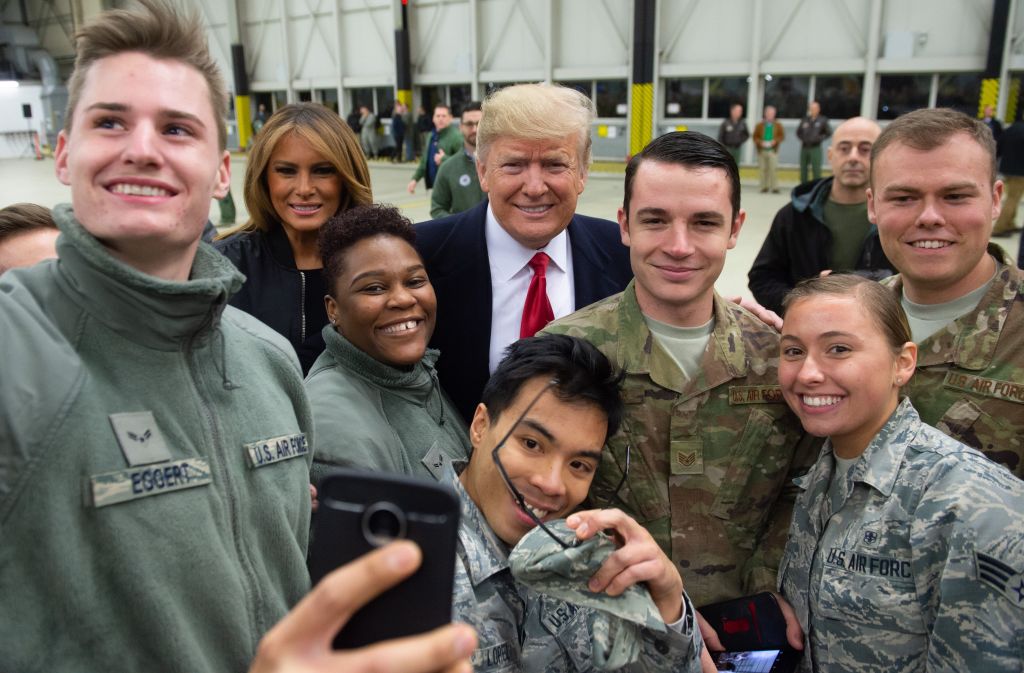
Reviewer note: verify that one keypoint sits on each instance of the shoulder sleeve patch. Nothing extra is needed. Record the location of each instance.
(1001, 577)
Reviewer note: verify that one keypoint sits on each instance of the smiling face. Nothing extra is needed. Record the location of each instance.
(383, 301)
(550, 457)
(533, 186)
(838, 372)
(304, 187)
(679, 227)
(934, 211)
(143, 161)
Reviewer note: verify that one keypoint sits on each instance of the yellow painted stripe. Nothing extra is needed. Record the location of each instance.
(405, 96)
(641, 117)
(244, 119)
(1011, 100)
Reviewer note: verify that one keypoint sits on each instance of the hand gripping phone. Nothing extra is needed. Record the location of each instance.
(753, 631)
(360, 511)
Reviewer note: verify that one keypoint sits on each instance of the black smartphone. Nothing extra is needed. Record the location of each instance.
(360, 511)
(757, 661)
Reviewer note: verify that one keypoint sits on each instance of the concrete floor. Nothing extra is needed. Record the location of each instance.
(34, 181)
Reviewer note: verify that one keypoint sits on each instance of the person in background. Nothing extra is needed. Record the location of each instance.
(814, 129)
(377, 404)
(368, 131)
(1010, 148)
(443, 142)
(733, 131)
(993, 124)
(457, 187)
(906, 547)
(768, 135)
(28, 235)
(398, 129)
(305, 166)
(825, 226)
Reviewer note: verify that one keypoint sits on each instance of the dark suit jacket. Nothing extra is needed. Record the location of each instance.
(454, 250)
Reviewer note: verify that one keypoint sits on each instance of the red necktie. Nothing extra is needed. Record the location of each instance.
(537, 311)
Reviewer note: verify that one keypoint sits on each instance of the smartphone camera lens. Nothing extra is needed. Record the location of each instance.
(382, 523)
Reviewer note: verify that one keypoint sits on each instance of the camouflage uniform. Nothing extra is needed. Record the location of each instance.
(519, 629)
(970, 375)
(711, 456)
(911, 563)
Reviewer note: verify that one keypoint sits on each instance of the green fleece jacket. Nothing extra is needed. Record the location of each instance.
(372, 416)
(154, 471)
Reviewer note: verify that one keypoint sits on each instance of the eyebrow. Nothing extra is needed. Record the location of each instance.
(959, 186)
(382, 272)
(542, 429)
(166, 112)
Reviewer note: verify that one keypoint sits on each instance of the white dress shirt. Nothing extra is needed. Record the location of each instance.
(510, 281)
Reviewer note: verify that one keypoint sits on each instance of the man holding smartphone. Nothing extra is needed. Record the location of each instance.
(537, 439)
(154, 462)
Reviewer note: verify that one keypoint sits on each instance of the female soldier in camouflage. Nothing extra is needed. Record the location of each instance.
(906, 547)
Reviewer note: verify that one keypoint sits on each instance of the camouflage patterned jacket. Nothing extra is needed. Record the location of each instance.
(970, 375)
(710, 457)
(911, 563)
(519, 629)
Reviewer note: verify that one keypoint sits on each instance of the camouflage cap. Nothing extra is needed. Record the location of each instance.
(543, 565)
(540, 563)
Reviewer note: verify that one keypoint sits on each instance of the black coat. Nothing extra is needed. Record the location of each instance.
(454, 250)
(288, 300)
(798, 245)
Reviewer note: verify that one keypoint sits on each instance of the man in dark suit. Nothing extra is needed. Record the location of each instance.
(523, 257)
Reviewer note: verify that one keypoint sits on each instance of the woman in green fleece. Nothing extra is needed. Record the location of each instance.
(377, 404)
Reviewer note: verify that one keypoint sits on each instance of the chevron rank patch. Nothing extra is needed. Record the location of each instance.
(1001, 577)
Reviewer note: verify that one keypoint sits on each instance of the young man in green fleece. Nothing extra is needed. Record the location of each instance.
(154, 456)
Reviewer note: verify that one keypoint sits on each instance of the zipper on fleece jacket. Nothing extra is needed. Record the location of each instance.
(219, 455)
(302, 304)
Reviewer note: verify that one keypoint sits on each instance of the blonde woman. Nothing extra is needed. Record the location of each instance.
(304, 167)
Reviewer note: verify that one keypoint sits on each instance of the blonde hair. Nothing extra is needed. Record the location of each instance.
(159, 30)
(328, 135)
(536, 112)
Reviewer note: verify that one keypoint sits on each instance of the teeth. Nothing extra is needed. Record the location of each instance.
(537, 512)
(139, 190)
(401, 327)
(306, 208)
(821, 400)
(533, 209)
(931, 244)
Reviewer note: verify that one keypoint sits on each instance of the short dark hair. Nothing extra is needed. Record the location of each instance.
(582, 372)
(347, 228)
(926, 129)
(19, 218)
(472, 106)
(690, 149)
(444, 105)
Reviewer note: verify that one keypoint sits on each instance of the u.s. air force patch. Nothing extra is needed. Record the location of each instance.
(755, 395)
(274, 450)
(1001, 577)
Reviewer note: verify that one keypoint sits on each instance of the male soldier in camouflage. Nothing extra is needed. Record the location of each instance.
(933, 195)
(712, 442)
(546, 413)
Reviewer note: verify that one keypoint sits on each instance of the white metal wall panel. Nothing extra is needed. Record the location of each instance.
(592, 34)
(702, 36)
(512, 39)
(815, 30)
(439, 38)
(944, 28)
(368, 42)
